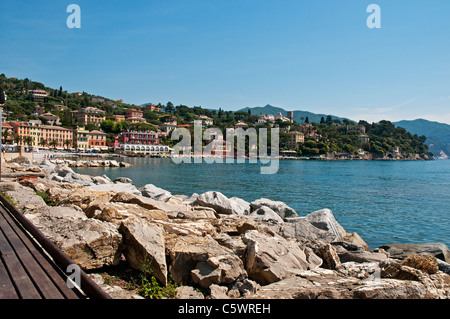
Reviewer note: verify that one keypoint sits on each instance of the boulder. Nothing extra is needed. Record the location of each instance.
(362, 256)
(117, 188)
(201, 260)
(144, 247)
(329, 255)
(265, 214)
(218, 292)
(324, 219)
(101, 180)
(116, 212)
(188, 292)
(122, 179)
(24, 198)
(221, 204)
(272, 258)
(401, 251)
(283, 210)
(155, 192)
(425, 263)
(88, 242)
(304, 231)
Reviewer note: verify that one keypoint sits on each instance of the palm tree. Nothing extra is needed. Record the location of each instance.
(43, 142)
(5, 135)
(67, 143)
(28, 140)
(54, 143)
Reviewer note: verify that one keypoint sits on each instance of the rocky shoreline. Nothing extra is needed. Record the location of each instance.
(217, 247)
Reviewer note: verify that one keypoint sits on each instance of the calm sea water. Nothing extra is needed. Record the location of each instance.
(384, 202)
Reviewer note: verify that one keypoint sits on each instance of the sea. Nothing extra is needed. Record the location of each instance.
(383, 201)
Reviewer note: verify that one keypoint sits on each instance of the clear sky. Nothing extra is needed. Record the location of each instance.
(317, 56)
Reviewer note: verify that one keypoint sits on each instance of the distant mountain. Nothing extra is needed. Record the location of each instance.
(438, 135)
(273, 110)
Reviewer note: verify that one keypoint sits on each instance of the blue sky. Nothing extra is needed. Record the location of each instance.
(318, 56)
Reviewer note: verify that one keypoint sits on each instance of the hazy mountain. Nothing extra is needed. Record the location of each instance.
(273, 110)
(438, 135)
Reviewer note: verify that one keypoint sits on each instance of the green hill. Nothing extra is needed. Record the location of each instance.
(438, 135)
(298, 115)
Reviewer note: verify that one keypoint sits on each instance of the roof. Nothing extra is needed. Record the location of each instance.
(97, 132)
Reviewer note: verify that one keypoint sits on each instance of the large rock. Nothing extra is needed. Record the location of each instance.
(272, 258)
(304, 231)
(265, 214)
(222, 204)
(117, 188)
(324, 219)
(401, 251)
(327, 284)
(90, 243)
(116, 212)
(155, 192)
(283, 210)
(201, 260)
(144, 247)
(24, 198)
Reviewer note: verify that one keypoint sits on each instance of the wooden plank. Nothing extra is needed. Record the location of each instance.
(56, 276)
(19, 277)
(23, 249)
(7, 290)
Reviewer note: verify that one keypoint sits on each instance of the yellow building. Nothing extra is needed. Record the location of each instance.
(81, 138)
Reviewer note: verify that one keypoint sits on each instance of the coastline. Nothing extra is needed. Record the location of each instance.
(312, 256)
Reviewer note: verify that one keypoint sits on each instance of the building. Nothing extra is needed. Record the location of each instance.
(363, 139)
(139, 138)
(39, 110)
(206, 120)
(62, 136)
(26, 134)
(119, 118)
(51, 119)
(7, 133)
(98, 99)
(97, 140)
(38, 95)
(80, 138)
(358, 128)
(90, 115)
(166, 128)
(152, 150)
(133, 113)
(240, 125)
(290, 116)
(296, 138)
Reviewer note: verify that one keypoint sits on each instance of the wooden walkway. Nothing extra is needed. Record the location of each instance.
(27, 271)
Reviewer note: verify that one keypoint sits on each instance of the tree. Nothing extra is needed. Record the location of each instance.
(67, 143)
(2, 94)
(322, 120)
(43, 142)
(169, 107)
(107, 126)
(60, 91)
(28, 140)
(54, 143)
(307, 120)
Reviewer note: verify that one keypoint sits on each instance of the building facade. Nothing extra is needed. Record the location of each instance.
(97, 140)
(90, 115)
(139, 138)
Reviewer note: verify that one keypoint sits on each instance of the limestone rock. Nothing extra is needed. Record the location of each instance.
(23, 197)
(221, 204)
(188, 292)
(88, 242)
(329, 256)
(144, 247)
(283, 210)
(269, 259)
(401, 251)
(265, 214)
(122, 179)
(117, 188)
(324, 219)
(155, 192)
(425, 263)
(203, 261)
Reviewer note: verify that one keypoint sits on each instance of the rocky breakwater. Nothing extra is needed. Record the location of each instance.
(89, 163)
(227, 247)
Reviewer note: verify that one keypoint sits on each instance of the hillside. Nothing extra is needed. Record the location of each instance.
(298, 115)
(438, 135)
